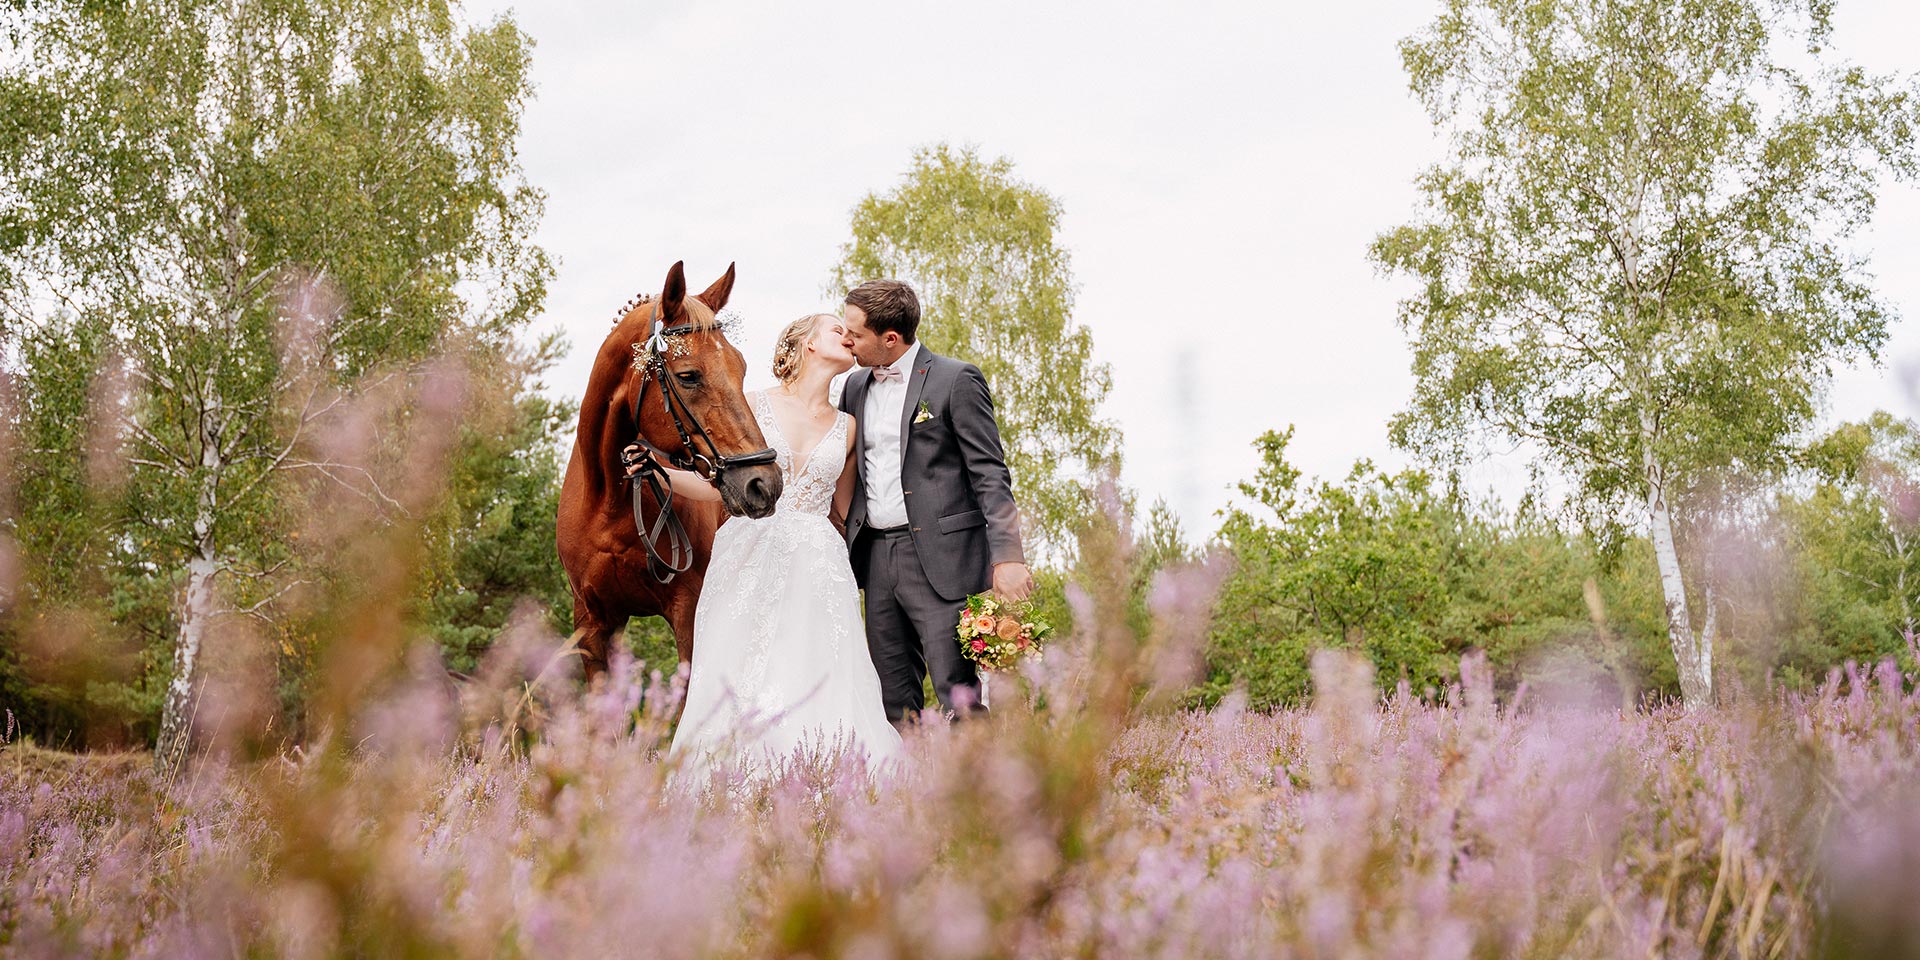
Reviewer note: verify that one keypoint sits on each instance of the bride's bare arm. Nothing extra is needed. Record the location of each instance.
(686, 483)
(843, 491)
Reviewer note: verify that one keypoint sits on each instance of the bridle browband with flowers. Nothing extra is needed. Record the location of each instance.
(651, 357)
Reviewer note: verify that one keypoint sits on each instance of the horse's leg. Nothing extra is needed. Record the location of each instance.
(593, 630)
(679, 616)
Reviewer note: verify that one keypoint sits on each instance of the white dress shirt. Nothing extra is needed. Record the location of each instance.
(886, 402)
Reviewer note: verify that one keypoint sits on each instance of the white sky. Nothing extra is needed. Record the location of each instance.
(1223, 166)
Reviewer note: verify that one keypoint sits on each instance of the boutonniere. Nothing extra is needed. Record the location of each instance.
(924, 415)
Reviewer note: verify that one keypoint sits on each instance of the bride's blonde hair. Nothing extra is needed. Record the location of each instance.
(787, 352)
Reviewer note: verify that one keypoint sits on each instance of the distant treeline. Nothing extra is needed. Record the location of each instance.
(1413, 573)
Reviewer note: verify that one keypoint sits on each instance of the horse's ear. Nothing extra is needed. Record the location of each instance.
(716, 296)
(675, 290)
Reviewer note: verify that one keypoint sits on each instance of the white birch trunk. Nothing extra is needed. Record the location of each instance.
(176, 715)
(1692, 652)
(174, 744)
(197, 609)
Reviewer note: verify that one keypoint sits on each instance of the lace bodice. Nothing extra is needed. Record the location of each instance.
(812, 490)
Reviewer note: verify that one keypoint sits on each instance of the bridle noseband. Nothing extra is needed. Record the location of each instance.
(711, 465)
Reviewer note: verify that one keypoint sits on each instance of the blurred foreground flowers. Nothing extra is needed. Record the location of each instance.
(514, 815)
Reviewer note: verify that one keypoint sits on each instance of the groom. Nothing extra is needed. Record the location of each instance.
(932, 517)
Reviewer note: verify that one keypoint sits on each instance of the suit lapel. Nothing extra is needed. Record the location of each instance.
(916, 386)
(857, 406)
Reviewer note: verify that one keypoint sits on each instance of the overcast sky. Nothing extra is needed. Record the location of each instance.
(1223, 167)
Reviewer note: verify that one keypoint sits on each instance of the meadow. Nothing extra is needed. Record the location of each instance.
(515, 817)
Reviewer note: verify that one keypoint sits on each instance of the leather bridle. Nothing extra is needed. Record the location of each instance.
(710, 465)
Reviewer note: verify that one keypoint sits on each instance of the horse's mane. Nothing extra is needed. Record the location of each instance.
(639, 300)
(725, 321)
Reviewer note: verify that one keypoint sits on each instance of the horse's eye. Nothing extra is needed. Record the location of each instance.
(689, 377)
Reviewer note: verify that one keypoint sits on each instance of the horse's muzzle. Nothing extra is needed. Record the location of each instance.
(751, 491)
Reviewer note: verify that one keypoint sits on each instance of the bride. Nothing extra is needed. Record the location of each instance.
(780, 655)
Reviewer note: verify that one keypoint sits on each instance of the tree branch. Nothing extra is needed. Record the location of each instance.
(374, 494)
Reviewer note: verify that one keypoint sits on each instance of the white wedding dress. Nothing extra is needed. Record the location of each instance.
(780, 660)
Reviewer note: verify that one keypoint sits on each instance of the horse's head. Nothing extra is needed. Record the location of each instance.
(706, 373)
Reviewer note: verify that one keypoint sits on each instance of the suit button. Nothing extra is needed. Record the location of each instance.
(906, 493)
(916, 529)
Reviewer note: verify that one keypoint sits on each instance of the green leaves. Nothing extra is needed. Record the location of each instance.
(1358, 564)
(275, 208)
(1856, 539)
(1412, 577)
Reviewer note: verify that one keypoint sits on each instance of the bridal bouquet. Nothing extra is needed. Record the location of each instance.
(997, 635)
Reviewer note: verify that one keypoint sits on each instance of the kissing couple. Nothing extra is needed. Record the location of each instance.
(903, 492)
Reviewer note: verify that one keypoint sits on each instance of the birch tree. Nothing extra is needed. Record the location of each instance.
(1634, 255)
(268, 202)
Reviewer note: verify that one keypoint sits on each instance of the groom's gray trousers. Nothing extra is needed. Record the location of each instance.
(907, 606)
(961, 520)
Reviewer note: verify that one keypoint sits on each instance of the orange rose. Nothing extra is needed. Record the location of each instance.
(1009, 630)
(983, 624)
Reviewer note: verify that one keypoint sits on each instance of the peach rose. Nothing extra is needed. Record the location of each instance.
(1009, 630)
(983, 624)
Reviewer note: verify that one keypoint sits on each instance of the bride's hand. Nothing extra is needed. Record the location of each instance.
(636, 459)
(684, 483)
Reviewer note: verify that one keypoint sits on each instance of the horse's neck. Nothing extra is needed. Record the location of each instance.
(606, 425)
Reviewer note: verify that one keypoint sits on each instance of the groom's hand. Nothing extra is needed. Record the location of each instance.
(1012, 582)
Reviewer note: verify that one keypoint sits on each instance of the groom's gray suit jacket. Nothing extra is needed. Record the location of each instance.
(959, 495)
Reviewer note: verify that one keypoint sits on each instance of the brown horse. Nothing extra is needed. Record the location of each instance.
(600, 548)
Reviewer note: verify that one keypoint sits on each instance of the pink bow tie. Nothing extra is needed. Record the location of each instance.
(887, 373)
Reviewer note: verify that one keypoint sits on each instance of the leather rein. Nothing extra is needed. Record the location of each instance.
(677, 556)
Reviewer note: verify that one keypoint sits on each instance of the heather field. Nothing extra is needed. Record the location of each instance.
(1553, 434)
(1097, 824)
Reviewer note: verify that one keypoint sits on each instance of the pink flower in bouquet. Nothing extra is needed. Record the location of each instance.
(983, 624)
(979, 646)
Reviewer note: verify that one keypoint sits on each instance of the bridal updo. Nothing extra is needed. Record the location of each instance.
(790, 349)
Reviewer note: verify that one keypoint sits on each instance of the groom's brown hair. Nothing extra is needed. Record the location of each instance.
(889, 305)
